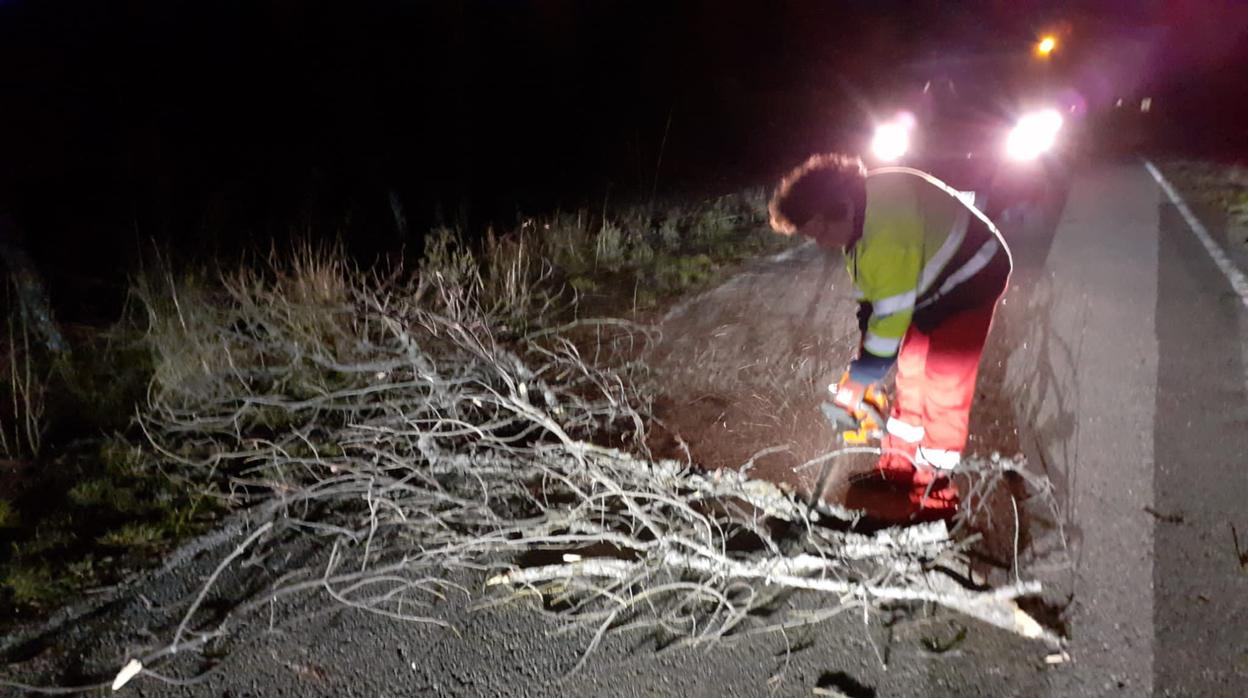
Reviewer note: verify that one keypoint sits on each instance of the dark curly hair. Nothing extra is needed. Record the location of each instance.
(821, 185)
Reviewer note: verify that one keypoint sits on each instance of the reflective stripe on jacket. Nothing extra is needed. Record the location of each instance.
(923, 253)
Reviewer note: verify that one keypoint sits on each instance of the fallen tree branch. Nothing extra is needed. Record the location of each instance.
(389, 421)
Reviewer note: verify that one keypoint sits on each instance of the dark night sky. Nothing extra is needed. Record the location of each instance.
(207, 124)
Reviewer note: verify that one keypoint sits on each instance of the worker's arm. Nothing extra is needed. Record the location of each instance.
(886, 272)
(887, 276)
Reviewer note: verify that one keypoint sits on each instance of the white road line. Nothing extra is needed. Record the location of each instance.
(1232, 273)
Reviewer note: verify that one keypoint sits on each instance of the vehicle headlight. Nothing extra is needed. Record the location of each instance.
(892, 138)
(1033, 135)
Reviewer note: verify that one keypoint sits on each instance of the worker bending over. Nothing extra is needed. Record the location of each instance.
(928, 270)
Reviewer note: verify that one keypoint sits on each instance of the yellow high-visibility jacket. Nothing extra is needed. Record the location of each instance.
(923, 255)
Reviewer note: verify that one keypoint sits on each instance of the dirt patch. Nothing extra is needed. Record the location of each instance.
(742, 368)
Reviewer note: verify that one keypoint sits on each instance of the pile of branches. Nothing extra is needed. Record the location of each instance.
(386, 416)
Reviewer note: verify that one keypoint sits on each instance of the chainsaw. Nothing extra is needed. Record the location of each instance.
(857, 428)
(863, 423)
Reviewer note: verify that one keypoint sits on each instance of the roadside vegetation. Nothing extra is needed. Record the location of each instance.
(85, 498)
(79, 502)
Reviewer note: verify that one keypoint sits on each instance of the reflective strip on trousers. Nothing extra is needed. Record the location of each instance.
(938, 458)
(909, 433)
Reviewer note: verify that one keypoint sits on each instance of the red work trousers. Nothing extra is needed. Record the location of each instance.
(936, 372)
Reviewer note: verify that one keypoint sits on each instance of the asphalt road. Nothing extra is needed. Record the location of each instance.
(1133, 390)
(1120, 353)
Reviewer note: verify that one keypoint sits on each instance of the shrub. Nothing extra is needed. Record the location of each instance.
(447, 256)
(715, 223)
(678, 274)
(515, 283)
(640, 253)
(567, 242)
(609, 247)
(755, 202)
(583, 284)
(669, 233)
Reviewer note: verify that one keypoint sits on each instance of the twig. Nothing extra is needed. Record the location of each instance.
(1014, 506)
(186, 619)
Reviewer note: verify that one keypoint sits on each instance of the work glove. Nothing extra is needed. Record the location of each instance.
(856, 410)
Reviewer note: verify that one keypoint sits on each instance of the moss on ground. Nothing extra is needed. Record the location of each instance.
(8, 515)
(33, 584)
(96, 513)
